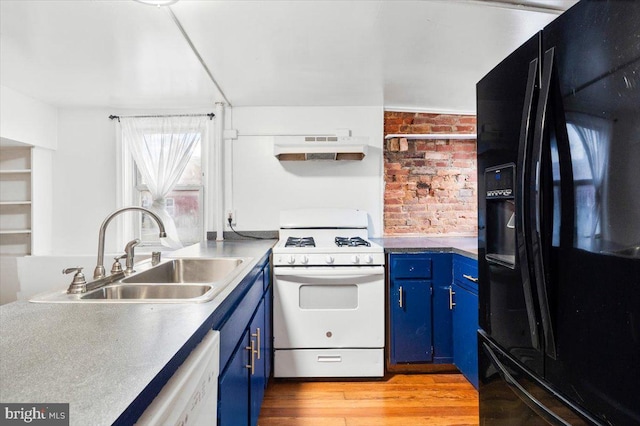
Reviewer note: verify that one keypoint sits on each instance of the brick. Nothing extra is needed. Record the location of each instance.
(404, 144)
(424, 145)
(464, 129)
(441, 129)
(437, 155)
(393, 166)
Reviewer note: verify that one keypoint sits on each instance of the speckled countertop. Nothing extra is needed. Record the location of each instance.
(100, 357)
(466, 246)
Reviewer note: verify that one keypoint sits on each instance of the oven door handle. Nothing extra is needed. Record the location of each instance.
(329, 272)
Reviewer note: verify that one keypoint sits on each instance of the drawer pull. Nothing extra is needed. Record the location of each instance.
(257, 336)
(400, 300)
(329, 358)
(470, 278)
(452, 304)
(252, 351)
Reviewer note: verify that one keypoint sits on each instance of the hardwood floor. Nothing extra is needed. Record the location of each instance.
(402, 399)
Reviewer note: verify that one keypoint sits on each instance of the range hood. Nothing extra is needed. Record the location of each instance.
(305, 148)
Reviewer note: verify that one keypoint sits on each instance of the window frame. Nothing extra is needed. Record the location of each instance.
(128, 193)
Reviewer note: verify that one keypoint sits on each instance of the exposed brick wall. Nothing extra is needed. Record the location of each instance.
(430, 185)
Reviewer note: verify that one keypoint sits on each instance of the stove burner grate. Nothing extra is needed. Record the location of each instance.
(351, 242)
(300, 242)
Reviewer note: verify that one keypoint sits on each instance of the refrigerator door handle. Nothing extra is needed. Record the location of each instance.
(521, 197)
(535, 199)
(525, 396)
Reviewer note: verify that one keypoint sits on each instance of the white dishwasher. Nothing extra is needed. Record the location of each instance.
(190, 397)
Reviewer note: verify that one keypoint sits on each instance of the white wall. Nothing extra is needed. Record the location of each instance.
(84, 190)
(262, 185)
(84, 176)
(27, 120)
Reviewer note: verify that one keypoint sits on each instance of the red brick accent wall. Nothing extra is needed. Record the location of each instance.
(430, 185)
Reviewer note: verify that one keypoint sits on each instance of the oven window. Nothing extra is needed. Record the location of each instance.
(328, 296)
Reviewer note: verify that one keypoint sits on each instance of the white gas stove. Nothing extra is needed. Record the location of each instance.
(329, 296)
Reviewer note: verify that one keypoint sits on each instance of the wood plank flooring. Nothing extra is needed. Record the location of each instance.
(401, 399)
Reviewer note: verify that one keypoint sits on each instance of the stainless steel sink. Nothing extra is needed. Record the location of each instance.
(187, 271)
(188, 280)
(153, 291)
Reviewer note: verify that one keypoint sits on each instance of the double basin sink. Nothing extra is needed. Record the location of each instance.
(177, 280)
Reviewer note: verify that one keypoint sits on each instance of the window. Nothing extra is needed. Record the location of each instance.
(184, 203)
(162, 168)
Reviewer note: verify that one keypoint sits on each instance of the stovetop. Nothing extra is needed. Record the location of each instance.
(325, 237)
(324, 248)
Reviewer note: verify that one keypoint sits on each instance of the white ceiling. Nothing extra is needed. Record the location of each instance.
(416, 55)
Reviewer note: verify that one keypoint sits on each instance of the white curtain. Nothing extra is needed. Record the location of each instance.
(161, 148)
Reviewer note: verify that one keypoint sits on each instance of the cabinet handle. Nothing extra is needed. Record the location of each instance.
(252, 351)
(452, 304)
(400, 300)
(257, 336)
(470, 278)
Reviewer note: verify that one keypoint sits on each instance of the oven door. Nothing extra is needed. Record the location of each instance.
(328, 307)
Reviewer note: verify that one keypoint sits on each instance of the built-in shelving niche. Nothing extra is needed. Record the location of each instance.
(15, 201)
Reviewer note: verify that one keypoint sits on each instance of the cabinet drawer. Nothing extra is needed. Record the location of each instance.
(329, 363)
(465, 272)
(410, 266)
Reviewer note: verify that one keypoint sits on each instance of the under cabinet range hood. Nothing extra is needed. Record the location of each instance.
(303, 148)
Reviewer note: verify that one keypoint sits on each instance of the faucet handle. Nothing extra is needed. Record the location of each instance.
(129, 253)
(77, 269)
(79, 283)
(117, 267)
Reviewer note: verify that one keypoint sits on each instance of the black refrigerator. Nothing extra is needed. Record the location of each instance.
(559, 223)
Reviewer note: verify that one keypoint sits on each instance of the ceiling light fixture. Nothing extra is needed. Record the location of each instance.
(157, 2)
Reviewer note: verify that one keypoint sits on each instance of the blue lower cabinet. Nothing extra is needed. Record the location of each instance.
(233, 408)
(465, 329)
(243, 380)
(433, 310)
(419, 315)
(411, 331)
(465, 316)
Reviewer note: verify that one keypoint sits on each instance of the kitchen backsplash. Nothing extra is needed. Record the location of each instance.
(430, 185)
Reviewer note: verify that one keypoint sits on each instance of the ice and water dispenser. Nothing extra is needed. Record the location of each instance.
(501, 214)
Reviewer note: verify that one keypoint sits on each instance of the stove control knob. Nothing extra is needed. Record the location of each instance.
(368, 259)
(329, 259)
(291, 260)
(355, 259)
(304, 260)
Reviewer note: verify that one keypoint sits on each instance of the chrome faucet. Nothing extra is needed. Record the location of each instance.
(99, 271)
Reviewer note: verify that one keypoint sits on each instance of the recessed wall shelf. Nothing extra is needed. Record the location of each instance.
(15, 201)
(432, 136)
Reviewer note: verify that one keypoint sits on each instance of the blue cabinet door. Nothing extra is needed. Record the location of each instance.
(257, 373)
(233, 408)
(411, 332)
(442, 318)
(465, 337)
